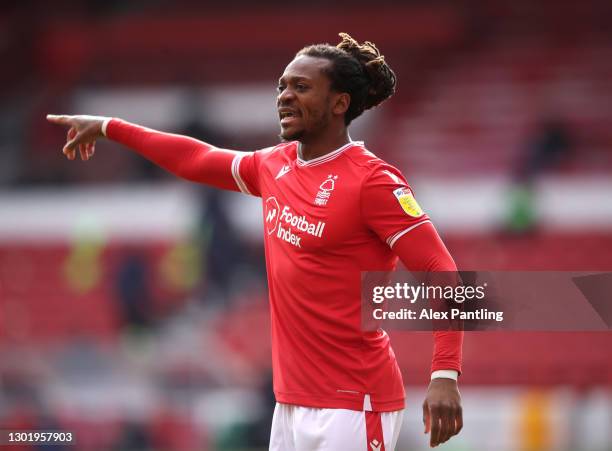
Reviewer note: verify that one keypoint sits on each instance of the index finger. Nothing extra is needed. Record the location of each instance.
(59, 119)
(426, 417)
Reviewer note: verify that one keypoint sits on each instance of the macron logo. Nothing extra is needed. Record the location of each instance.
(375, 445)
(286, 168)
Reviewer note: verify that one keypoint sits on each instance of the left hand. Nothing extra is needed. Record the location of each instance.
(442, 413)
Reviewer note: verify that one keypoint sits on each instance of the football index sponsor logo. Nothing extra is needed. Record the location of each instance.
(272, 210)
(284, 222)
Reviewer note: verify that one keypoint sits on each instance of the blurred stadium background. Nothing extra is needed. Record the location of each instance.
(133, 305)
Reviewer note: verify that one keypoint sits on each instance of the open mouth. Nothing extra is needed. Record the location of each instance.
(287, 116)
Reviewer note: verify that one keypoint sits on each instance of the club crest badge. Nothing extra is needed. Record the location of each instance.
(325, 190)
(408, 202)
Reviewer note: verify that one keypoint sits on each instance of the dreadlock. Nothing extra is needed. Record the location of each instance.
(357, 69)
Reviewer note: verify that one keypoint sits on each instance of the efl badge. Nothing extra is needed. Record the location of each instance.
(408, 202)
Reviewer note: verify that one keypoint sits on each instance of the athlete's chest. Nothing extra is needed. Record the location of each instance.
(310, 207)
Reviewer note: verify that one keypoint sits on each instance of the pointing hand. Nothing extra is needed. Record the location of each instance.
(82, 133)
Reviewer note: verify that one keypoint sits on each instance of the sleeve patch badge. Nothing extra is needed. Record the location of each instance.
(408, 202)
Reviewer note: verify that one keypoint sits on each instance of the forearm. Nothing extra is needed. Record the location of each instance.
(447, 353)
(183, 156)
(422, 250)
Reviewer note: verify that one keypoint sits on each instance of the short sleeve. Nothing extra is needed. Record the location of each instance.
(388, 205)
(245, 170)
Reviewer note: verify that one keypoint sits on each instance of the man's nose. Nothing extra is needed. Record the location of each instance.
(285, 96)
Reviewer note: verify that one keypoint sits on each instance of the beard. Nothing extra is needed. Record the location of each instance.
(320, 123)
(295, 136)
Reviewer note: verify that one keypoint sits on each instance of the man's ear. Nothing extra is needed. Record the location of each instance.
(341, 103)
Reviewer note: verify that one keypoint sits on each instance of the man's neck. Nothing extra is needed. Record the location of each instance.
(310, 150)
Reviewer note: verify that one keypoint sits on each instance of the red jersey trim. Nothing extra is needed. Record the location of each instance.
(328, 156)
(236, 174)
(396, 236)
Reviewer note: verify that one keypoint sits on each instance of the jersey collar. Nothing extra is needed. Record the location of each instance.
(327, 157)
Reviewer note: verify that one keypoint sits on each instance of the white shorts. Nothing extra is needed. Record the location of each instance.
(296, 428)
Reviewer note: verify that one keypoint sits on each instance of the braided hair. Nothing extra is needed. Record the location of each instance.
(357, 69)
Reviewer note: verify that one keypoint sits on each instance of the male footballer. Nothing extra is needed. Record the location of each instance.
(331, 210)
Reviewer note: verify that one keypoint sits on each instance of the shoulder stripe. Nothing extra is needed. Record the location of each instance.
(236, 174)
(396, 236)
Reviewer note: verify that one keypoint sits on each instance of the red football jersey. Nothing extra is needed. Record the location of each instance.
(325, 221)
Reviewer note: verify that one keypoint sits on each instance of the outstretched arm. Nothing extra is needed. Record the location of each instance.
(185, 157)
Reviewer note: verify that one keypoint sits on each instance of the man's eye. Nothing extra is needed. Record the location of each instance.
(280, 88)
(301, 87)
